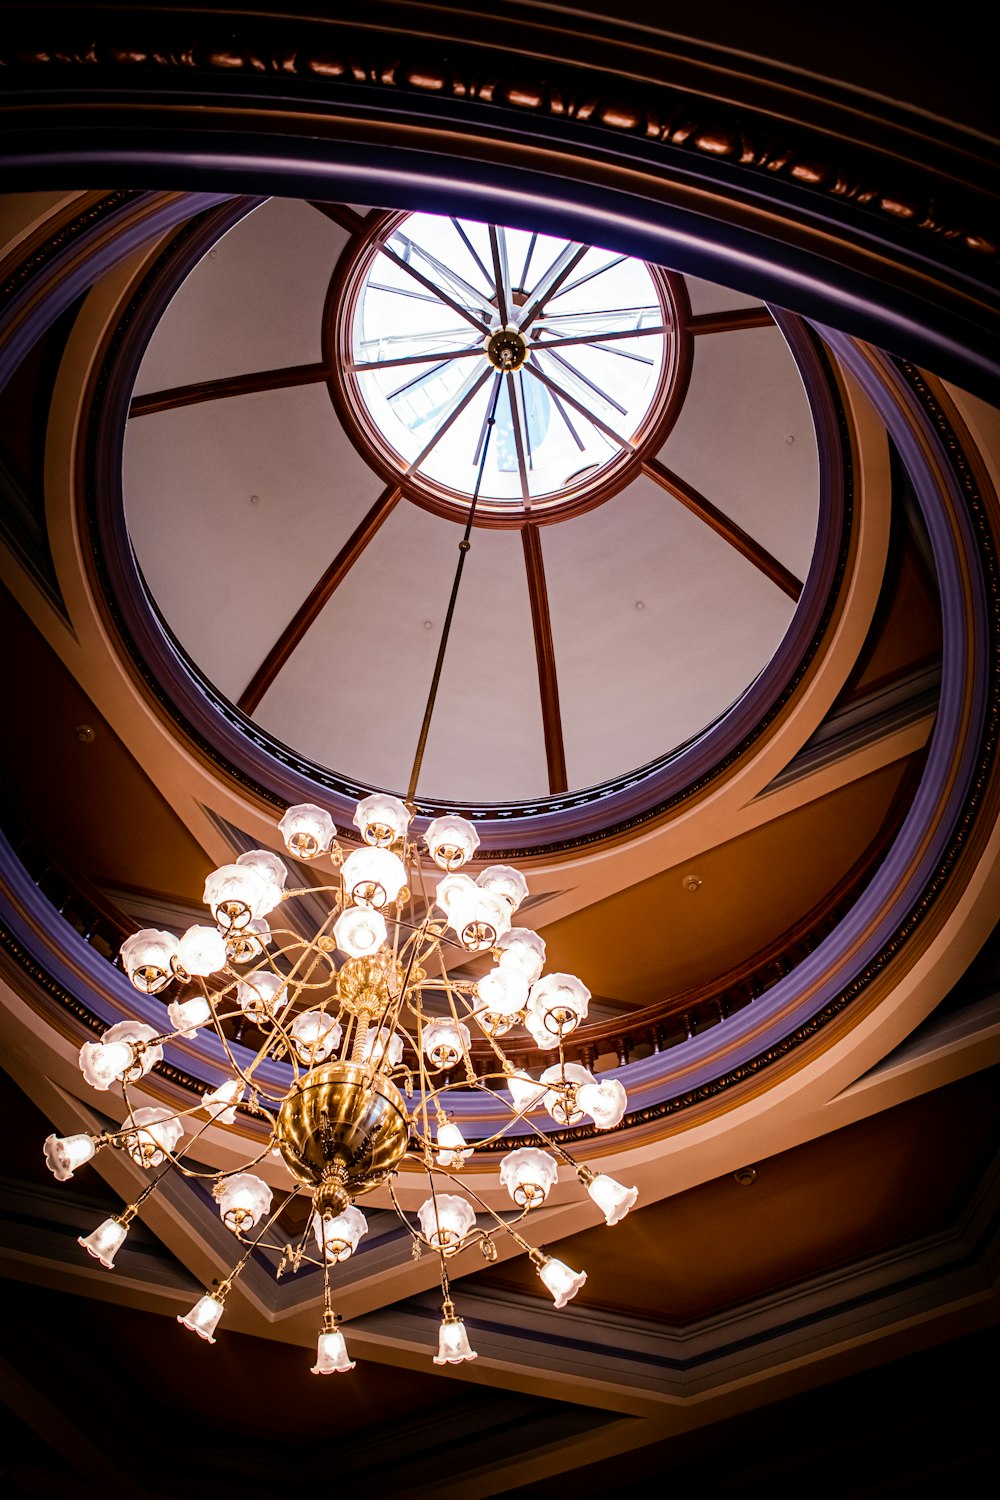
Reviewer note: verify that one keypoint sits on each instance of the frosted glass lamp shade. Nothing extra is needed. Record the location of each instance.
(358, 931)
(381, 819)
(526, 1093)
(148, 959)
(202, 951)
(456, 896)
(505, 881)
(221, 1102)
(308, 830)
(561, 1281)
(529, 1175)
(260, 995)
(477, 916)
(453, 1343)
(373, 877)
(451, 841)
(105, 1242)
(271, 871)
(604, 1102)
(503, 994)
(612, 1198)
(387, 1048)
(561, 1100)
(445, 1220)
(63, 1154)
(124, 1050)
(452, 1149)
(543, 1038)
(203, 1319)
(315, 1036)
(235, 895)
(187, 1015)
(243, 1201)
(444, 1042)
(524, 950)
(339, 1236)
(158, 1133)
(560, 1001)
(331, 1355)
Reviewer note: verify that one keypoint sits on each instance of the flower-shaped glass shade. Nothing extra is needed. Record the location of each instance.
(235, 895)
(339, 1235)
(477, 916)
(307, 830)
(202, 951)
(561, 1281)
(148, 959)
(243, 1201)
(115, 1056)
(529, 1174)
(445, 1041)
(203, 1319)
(381, 819)
(452, 1149)
(63, 1154)
(543, 1038)
(503, 993)
(331, 1355)
(452, 841)
(187, 1015)
(373, 877)
(271, 871)
(359, 931)
(260, 995)
(561, 1102)
(105, 1242)
(505, 881)
(522, 949)
(560, 1002)
(526, 1093)
(445, 1220)
(315, 1035)
(612, 1198)
(604, 1102)
(221, 1102)
(158, 1133)
(387, 1048)
(453, 1343)
(456, 896)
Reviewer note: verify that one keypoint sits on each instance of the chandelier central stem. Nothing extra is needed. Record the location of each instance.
(463, 550)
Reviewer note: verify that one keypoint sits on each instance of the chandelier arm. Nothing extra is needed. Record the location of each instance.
(226, 1284)
(463, 550)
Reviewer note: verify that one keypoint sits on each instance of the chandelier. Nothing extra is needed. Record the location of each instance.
(376, 1029)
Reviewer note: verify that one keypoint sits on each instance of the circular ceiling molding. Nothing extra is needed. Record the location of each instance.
(432, 314)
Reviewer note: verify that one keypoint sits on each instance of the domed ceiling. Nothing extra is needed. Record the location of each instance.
(307, 426)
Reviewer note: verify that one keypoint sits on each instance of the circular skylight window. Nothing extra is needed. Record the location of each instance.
(441, 312)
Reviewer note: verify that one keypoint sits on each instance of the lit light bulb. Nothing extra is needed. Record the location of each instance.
(158, 1133)
(221, 1102)
(524, 950)
(243, 1201)
(273, 874)
(373, 877)
(259, 995)
(452, 1149)
(235, 895)
(315, 1035)
(445, 1220)
(445, 1041)
(187, 1015)
(451, 841)
(604, 1102)
(202, 951)
(505, 881)
(339, 1236)
(381, 819)
(119, 1054)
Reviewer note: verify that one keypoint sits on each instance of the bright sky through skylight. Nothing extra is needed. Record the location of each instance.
(593, 322)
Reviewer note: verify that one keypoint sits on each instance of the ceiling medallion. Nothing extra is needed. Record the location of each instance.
(378, 1034)
(431, 307)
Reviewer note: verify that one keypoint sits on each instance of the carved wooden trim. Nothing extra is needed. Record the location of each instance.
(229, 385)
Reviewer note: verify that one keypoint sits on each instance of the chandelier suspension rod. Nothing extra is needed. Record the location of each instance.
(463, 550)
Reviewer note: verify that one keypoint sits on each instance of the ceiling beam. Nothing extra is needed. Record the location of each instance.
(731, 321)
(723, 526)
(317, 599)
(229, 385)
(548, 686)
